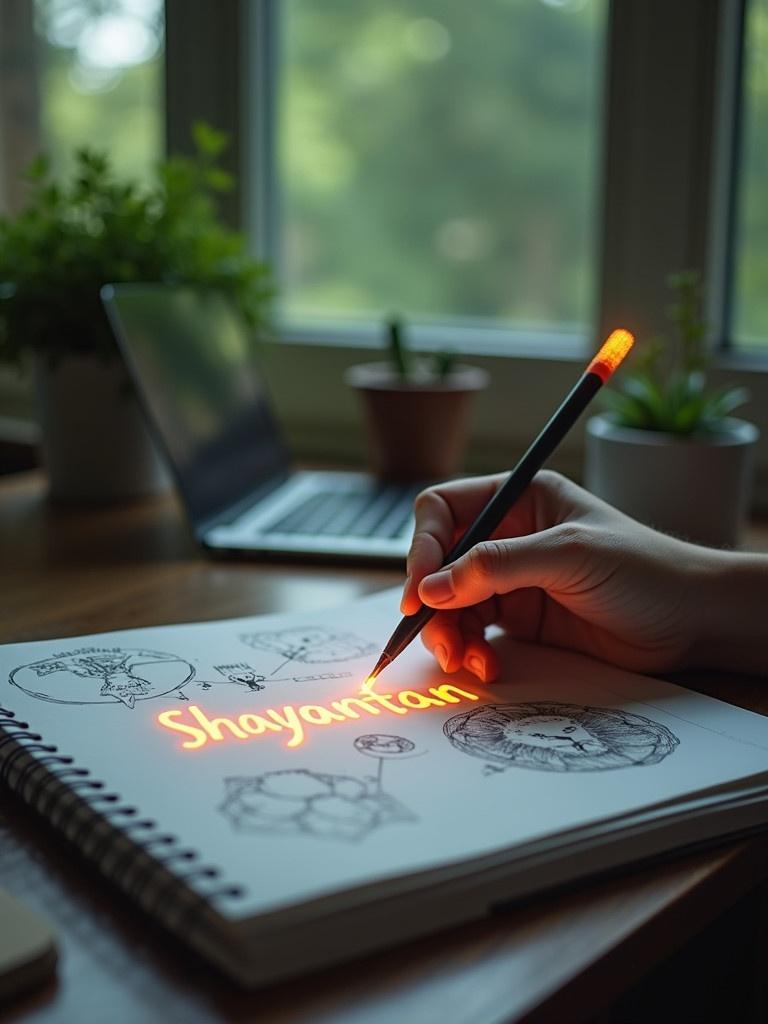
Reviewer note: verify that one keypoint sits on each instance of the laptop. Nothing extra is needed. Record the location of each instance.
(194, 366)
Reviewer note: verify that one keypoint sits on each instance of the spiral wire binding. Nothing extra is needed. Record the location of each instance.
(45, 776)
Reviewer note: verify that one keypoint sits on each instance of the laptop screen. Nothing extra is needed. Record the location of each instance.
(194, 365)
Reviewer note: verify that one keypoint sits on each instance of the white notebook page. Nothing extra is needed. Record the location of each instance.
(324, 787)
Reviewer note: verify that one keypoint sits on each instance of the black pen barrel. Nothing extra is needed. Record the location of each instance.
(572, 406)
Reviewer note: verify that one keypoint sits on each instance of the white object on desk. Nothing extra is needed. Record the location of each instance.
(27, 948)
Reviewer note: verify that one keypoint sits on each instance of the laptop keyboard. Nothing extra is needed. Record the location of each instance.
(379, 512)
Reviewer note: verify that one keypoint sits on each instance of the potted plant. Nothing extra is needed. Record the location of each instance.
(416, 410)
(667, 451)
(69, 240)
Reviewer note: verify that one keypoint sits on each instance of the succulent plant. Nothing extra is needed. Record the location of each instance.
(439, 365)
(668, 389)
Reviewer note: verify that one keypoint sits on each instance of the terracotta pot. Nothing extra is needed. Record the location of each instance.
(697, 488)
(95, 443)
(418, 430)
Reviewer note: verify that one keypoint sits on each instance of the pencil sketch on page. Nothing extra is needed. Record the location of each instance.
(248, 678)
(239, 673)
(297, 801)
(552, 736)
(124, 675)
(103, 675)
(310, 645)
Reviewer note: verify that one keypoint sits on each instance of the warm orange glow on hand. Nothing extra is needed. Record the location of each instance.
(614, 349)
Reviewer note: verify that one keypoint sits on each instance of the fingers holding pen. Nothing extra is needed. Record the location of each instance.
(425, 557)
(479, 656)
(457, 639)
(547, 560)
(442, 636)
(549, 507)
(439, 513)
(432, 537)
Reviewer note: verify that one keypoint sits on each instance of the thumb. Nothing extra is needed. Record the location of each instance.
(547, 560)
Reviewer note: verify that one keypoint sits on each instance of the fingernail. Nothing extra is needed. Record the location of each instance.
(437, 588)
(476, 666)
(406, 588)
(442, 656)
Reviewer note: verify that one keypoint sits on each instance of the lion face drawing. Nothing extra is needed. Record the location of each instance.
(556, 737)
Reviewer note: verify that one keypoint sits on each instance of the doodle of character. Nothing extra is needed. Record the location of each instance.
(555, 732)
(311, 645)
(47, 668)
(118, 680)
(382, 746)
(93, 675)
(558, 737)
(243, 674)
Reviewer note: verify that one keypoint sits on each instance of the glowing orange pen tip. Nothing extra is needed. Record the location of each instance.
(611, 354)
(368, 684)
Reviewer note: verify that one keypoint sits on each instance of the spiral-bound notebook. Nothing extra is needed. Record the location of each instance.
(239, 781)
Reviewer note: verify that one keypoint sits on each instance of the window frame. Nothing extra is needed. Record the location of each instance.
(667, 182)
(700, 44)
(469, 337)
(721, 271)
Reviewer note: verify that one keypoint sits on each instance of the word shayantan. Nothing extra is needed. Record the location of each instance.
(293, 721)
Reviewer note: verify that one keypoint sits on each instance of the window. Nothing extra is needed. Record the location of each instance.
(749, 327)
(101, 80)
(461, 164)
(438, 159)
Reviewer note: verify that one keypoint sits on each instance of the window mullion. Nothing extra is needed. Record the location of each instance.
(661, 105)
(203, 75)
(259, 54)
(728, 122)
(19, 100)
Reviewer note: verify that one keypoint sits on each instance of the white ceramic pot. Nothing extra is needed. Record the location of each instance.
(696, 488)
(95, 443)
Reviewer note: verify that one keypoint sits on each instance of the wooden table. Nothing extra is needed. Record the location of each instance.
(559, 958)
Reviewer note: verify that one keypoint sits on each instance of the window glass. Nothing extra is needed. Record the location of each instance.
(438, 158)
(749, 325)
(101, 80)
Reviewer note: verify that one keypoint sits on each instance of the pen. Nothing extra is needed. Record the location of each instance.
(608, 358)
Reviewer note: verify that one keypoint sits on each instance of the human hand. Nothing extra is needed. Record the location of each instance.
(563, 569)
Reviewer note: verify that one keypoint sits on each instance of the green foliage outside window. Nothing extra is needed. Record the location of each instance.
(749, 321)
(75, 236)
(92, 95)
(439, 157)
(667, 390)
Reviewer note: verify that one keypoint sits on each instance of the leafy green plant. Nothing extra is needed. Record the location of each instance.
(72, 238)
(668, 389)
(439, 365)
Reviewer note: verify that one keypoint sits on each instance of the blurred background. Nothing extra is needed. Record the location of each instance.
(457, 145)
(486, 170)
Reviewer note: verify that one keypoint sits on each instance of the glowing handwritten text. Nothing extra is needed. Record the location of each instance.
(293, 721)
